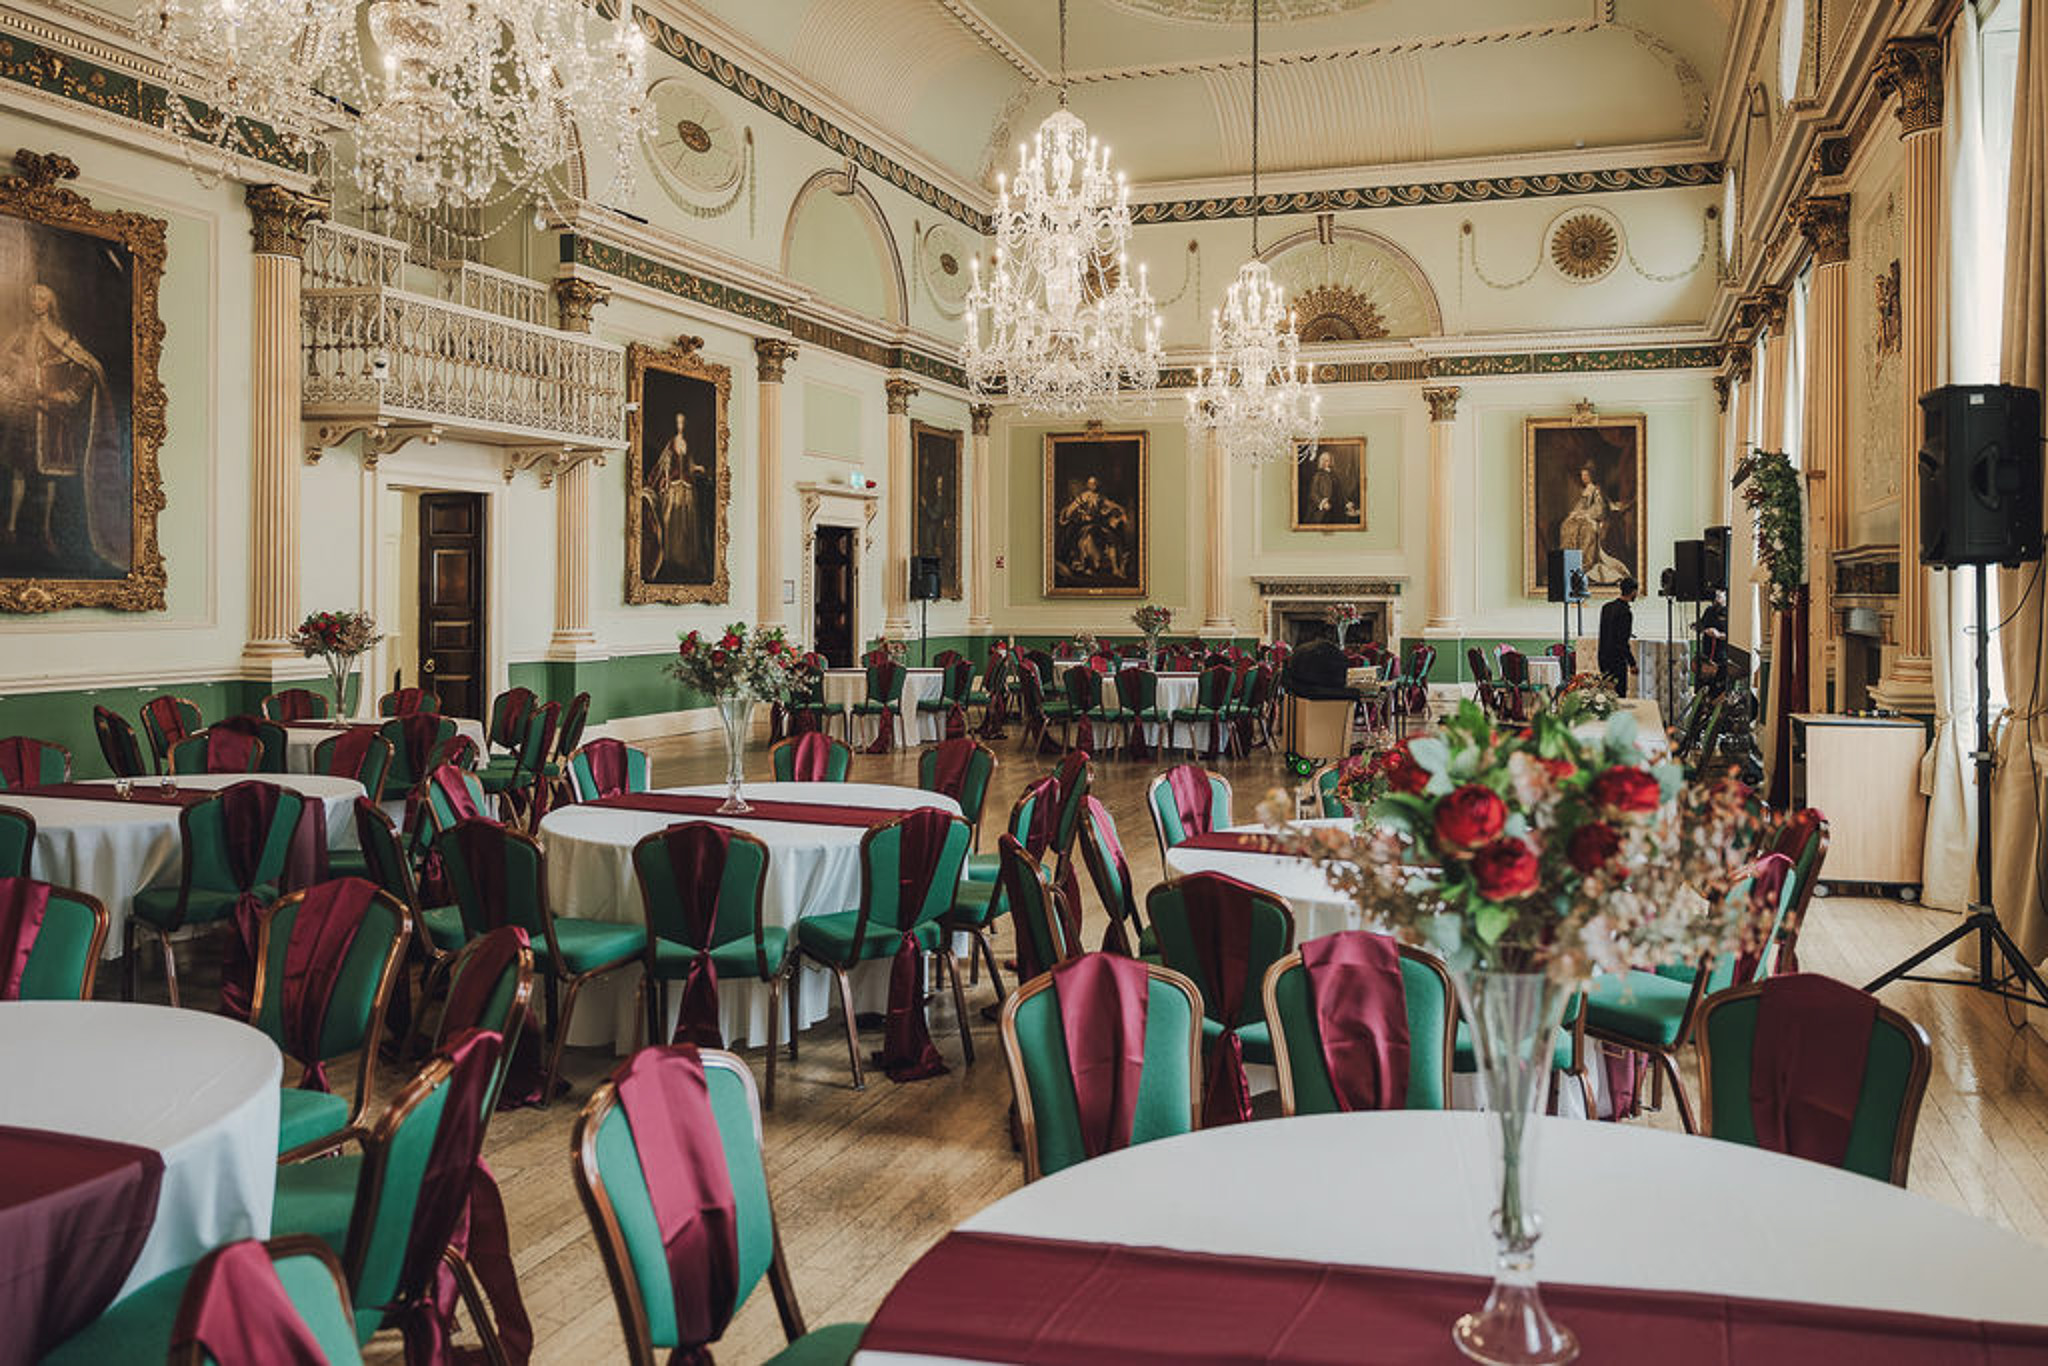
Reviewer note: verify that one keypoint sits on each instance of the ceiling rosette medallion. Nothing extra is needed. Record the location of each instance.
(1236, 11)
(1584, 245)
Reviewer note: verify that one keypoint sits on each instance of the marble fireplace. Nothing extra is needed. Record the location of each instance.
(1292, 608)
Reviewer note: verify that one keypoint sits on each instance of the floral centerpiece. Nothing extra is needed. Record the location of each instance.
(1086, 643)
(1530, 860)
(1587, 697)
(339, 639)
(739, 668)
(1343, 616)
(1152, 621)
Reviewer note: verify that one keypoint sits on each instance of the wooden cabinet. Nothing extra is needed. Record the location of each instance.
(1863, 774)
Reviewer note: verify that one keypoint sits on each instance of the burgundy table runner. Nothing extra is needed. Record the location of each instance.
(1107, 1302)
(795, 813)
(1232, 842)
(74, 1214)
(146, 792)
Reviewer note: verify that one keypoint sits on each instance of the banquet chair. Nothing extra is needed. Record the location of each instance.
(612, 1162)
(327, 961)
(1185, 801)
(17, 841)
(506, 726)
(1082, 687)
(954, 677)
(499, 877)
(1776, 1026)
(520, 781)
(1421, 663)
(1137, 693)
(294, 704)
(118, 746)
(1297, 1021)
(812, 757)
(1802, 838)
(811, 707)
(1040, 915)
(960, 769)
(28, 762)
(408, 702)
(490, 987)
(1040, 714)
(367, 759)
(1213, 691)
(998, 681)
(64, 953)
(1482, 681)
(438, 930)
(842, 940)
(1516, 691)
(675, 868)
(1322, 790)
(216, 873)
(413, 741)
(1205, 922)
(167, 720)
(453, 795)
(883, 700)
(1043, 1059)
(978, 900)
(607, 768)
(1247, 710)
(220, 749)
(1102, 851)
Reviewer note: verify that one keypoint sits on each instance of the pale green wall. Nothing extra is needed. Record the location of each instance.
(1383, 495)
(833, 426)
(833, 249)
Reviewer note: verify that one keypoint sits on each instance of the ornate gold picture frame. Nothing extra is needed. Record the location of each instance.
(1583, 484)
(935, 476)
(81, 404)
(1328, 485)
(678, 475)
(1096, 516)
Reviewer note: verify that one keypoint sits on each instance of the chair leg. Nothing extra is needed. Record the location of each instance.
(653, 1004)
(170, 967)
(852, 1031)
(995, 972)
(479, 1314)
(774, 1038)
(1685, 1115)
(959, 1004)
(791, 991)
(547, 1086)
(130, 952)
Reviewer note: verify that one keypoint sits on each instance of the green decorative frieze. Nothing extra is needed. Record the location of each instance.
(1686, 174)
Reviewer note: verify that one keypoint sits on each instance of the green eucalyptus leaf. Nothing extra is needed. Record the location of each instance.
(1430, 753)
(1490, 921)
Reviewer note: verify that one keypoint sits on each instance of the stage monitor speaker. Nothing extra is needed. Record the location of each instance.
(1714, 568)
(1980, 475)
(1566, 576)
(924, 578)
(1689, 571)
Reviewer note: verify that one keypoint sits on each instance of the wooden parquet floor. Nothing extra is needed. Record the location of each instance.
(865, 1181)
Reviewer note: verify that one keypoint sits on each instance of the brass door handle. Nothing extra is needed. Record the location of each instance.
(427, 667)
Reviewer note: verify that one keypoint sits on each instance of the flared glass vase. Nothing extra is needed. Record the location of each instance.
(734, 715)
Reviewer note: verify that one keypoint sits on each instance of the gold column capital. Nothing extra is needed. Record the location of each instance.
(900, 391)
(1740, 360)
(771, 356)
(1823, 220)
(1442, 401)
(980, 416)
(576, 300)
(1911, 69)
(1722, 384)
(278, 218)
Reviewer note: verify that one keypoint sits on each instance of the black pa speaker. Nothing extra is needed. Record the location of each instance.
(924, 578)
(1567, 577)
(1714, 568)
(1980, 475)
(1689, 571)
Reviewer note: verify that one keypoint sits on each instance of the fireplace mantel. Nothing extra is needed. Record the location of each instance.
(1336, 588)
(1290, 603)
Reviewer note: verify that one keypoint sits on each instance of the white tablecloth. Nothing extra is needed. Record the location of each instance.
(812, 870)
(844, 687)
(1547, 670)
(1176, 690)
(1415, 1190)
(1319, 909)
(114, 849)
(301, 741)
(198, 1088)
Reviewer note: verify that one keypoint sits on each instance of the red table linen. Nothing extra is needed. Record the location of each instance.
(1232, 842)
(795, 813)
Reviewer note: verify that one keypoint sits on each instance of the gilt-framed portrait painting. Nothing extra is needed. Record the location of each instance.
(1329, 485)
(81, 406)
(1095, 514)
(1583, 482)
(678, 479)
(935, 475)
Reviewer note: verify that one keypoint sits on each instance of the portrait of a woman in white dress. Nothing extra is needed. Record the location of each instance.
(1584, 483)
(1584, 529)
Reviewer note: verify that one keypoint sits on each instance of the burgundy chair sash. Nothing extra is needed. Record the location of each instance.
(481, 844)
(21, 761)
(907, 1051)
(351, 748)
(168, 720)
(1806, 1064)
(950, 763)
(229, 748)
(1766, 886)
(296, 704)
(420, 730)
(886, 671)
(236, 1309)
(511, 725)
(324, 930)
(491, 956)
(408, 701)
(1102, 1001)
(1192, 798)
(1219, 918)
(1111, 872)
(23, 902)
(609, 767)
(810, 760)
(675, 1132)
(696, 855)
(1361, 1012)
(247, 810)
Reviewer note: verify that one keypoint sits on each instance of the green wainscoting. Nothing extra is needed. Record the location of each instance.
(66, 717)
(621, 686)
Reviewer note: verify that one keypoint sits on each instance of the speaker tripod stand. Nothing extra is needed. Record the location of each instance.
(2001, 968)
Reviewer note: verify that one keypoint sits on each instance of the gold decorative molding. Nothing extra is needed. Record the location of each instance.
(576, 300)
(278, 218)
(1911, 69)
(899, 391)
(548, 461)
(1741, 361)
(1823, 220)
(772, 356)
(1338, 313)
(1442, 401)
(1721, 388)
(980, 416)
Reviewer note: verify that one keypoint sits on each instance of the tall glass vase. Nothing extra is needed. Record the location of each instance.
(734, 715)
(338, 667)
(1514, 1018)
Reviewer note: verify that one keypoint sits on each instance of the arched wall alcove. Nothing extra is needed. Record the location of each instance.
(837, 241)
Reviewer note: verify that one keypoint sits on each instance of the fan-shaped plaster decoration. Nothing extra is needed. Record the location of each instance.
(1236, 11)
(693, 145)
(944, 253)
(1584, 245)
(1356, 287)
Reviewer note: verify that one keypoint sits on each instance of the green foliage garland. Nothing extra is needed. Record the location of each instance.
(1771, 487)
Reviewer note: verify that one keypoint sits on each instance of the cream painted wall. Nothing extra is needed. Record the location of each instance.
(1876, 224)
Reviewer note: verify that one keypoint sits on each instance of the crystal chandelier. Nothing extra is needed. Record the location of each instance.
(1256, 394)
(446, 103)
(1058, 325)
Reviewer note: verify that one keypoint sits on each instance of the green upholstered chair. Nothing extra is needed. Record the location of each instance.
(1271, 936)
(142, 1327)
(1207, 713)
(501, 1006)
(995, 679)
(1102, 852)
(811, 700)
(1567, 1052)
(482, 857)
(613, 1183)
(607, 768)
(295, 704)
(1322, 786)
(406, 701)
(372, 770)
(407, 767)
(454, 795)
(1041, 713)
(569, 735)
(954, 678)
(837, 759)
(311, 1123)
(167, 720)
(1173, 826)
(209, 883)
(842, 940)
(1895, 1072)
(883, 699)
(1030, 894)
(1252, 707)
(740, 944)
(1081, 686)
(506, 727)
(1075, 777)
(438, 933)
(1292, 1025)
(978, 900)
(28, 762)
(1137, 696)
(197, 754)
(118, 746)
(66, 954)
(17, 841)
(966, 766)
(1041, 1077)
(517, 780)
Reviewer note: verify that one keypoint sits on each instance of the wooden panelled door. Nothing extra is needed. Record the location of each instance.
(832, 573)
(452, 573)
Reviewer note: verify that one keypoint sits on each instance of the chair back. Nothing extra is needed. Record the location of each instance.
(408, 702)
(1031, 692)
(384, 858)
(536, 742)
(885, 678)
(499, 878)
(227, 845)
(1475, 660)
(118, 745)
(956, 676)
(252, 1303)
(1043, 1058)
(1137, 690)
(1889, 1073)
(1213, 688)
(363, 755)
(1065, 649)
(701, 886)
(960, 769)
(294, 704)
(1036, 907)
(1803, 839)
(167, 720)
(1075, 778)
(607, 768)
(490, 987)
(812, 757)
(909, 870)
(1083, 689)
(17, 841)
(231, 747)
(1185, 801)
(508, 718)
(63, 947)
(453, 795)
(575, 720)
(1421, 661)
(1222, 934)
(1103, 853)
(1322, 786)
(327, 961)
(1296, 1028)
(1514, 668)
(1042, 661)
(28, 762)
(414, 737)
(945, 659)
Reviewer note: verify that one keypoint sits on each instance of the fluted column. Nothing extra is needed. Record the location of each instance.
(1911, 68)
(1443, 510)
(1824, 219)
(576, 302)
(1741, 541)
(896, 573)
(1216, 616)
(277, 225)
(1777, 355)
(772, 356)
(978, 621)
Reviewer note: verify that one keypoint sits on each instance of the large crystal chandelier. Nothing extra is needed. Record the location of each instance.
(1058, 325)
(1256, 393)
(446, 103)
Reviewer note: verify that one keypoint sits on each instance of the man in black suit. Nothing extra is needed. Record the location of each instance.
(1617, 631)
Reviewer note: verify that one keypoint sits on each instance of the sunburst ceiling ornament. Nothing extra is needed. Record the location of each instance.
(1336, 313)
(1237, 11)
(1585, 245)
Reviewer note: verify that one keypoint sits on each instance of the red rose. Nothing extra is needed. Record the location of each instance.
(1403, 773)
(1627, 790)
(718, 659)
(1470, 817)
(729, 641)
(689, 645)
(1505, 870)
(1593, 847)
(1559, 769)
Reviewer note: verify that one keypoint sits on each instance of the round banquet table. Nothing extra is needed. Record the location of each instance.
(200, 1089)
(1176, 691)
(1319, 908)
(844, 687)
(1731, 1220)
(300, 741)
(113, 849)
(812, 870)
